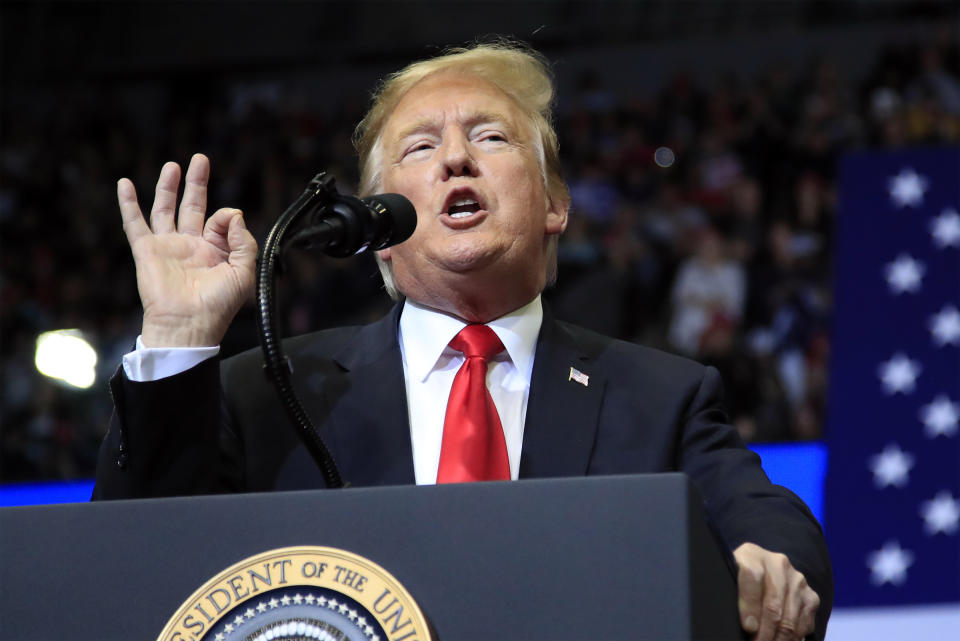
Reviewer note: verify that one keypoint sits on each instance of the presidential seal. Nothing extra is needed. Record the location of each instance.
(299, 594)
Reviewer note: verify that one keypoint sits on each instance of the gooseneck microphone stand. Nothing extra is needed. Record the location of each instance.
(338, 225)
(318, 194)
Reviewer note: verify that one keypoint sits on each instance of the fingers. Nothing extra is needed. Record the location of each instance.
(791, 587)
(217, 229)
(133, 223)
(807, 621)
(193, 207)
(165, 200)
(774, 587)
(798, 617)
(226, 230)
(163, 217)
(800, 604)
(775, 601)
(750, 588)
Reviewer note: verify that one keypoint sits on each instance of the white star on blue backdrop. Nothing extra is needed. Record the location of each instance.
(904, 274)
(940, 417)
(907, 188)
(889, 564)
(945, 229)
(899, 374)
(941, 514)
(945, 326)
(891, 466)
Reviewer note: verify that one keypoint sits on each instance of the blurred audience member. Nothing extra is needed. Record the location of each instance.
(708, 295)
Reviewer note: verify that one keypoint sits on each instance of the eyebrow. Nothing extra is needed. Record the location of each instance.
(473, 118)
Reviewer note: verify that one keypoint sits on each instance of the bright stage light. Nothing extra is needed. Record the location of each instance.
(65, 355)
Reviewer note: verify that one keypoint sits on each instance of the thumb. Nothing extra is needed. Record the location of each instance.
(242, 246)
(750, 589)
(243, 254)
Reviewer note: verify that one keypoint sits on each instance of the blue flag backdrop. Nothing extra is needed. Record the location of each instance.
(892, 496)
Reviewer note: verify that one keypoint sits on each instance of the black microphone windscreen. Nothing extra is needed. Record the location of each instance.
(401, 213)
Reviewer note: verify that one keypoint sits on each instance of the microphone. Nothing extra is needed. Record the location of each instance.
(351, 225)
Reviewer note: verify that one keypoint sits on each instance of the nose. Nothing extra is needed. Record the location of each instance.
(457, 158)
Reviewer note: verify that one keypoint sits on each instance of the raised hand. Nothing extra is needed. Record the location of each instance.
(193, 276)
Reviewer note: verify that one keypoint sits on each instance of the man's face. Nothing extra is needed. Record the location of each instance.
(463, 153)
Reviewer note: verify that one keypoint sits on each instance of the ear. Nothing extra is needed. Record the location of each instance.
(557, 213)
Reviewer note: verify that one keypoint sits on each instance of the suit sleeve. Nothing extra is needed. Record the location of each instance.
(742, 503)
(168, 438)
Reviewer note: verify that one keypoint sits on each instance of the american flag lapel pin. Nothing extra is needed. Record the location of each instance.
(579, 377)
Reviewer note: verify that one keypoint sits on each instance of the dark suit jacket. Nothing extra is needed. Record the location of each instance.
(642, 411)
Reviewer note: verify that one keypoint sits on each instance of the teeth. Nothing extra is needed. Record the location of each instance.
(463, 207)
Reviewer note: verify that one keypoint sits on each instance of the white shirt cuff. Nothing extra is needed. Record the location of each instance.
(146, 364)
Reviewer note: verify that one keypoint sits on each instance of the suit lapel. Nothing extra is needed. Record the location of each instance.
(564, 405)
(369, 424)
(369, 427)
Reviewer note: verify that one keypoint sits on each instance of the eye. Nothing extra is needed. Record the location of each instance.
(418, 148)
(492, 136)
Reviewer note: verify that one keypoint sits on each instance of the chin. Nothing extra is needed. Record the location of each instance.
(468, 257)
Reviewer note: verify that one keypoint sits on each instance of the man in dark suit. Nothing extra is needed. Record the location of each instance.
(467, 138)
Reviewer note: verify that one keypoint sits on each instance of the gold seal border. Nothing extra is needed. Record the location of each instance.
(371, 586)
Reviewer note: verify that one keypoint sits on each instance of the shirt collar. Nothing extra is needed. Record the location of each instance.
(425, 334)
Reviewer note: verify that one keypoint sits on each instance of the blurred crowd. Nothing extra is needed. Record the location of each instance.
(702, 221)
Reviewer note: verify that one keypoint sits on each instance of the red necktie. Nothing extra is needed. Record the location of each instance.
(473, 446)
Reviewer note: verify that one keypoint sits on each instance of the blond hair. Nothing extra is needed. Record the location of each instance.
(520, 72)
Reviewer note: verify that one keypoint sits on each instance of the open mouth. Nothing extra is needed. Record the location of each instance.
(462, 203)
(463, 207)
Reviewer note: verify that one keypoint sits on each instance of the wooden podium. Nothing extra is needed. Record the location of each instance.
(588, 559)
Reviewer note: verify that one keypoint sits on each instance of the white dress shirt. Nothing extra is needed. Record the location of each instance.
(429, 367)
